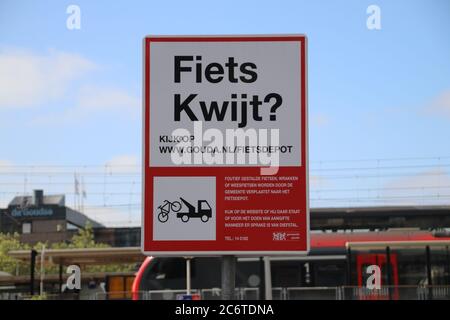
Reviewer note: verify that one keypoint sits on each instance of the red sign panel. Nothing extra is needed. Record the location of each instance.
(225, 160)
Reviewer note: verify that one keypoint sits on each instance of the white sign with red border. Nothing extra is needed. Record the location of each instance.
(225, 156)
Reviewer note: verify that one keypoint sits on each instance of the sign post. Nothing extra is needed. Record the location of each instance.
(225, 163)
(228, 277)
(188, 275)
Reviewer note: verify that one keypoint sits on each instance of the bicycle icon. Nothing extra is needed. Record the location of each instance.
(165, 209)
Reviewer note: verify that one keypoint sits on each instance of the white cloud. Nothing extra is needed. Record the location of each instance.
(113, 217)
(28, 79)
(7, 174)
(123, 164)
(94, 101)
(120, 208)
(5, 165)
(129, 212)
(107, 99)
(427, 187)
(440, 105)
(5, 197)
(4, 202)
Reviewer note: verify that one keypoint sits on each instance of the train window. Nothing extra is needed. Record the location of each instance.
(164, 273)
(171, 268)
(411, 267)
(440, 264)
(286, 273)
(365, 276)
(247, 274)
(329, 274)
(208, 274)
(387, 273)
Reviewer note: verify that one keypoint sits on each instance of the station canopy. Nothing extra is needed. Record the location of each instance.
(85, 256)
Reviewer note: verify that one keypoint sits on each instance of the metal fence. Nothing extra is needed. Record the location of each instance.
(394, 293)
(285, 293)
(315, 293)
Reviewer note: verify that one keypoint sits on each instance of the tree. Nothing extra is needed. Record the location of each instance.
(83, 239)
(10, 242)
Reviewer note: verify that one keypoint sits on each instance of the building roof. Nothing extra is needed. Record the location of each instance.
(38, 198)
(80, 220)
(383, 217)
(382, 209)
(92, 256)
(58, 199)
(14, 281)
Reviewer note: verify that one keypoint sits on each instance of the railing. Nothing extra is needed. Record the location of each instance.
(395, 293)
(311, 293)
(27, 296)
(285, 293)
(327, 293)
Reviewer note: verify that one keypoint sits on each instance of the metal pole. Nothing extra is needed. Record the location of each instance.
(268, 278)
(389, 271)
(262, 282)
(349, 266)
(188, 275)
(78, 291)
(228, 277)
(32, 265)
(428, 261)
(60, 277)
(429, 278)
(448, 266)
(41, 288)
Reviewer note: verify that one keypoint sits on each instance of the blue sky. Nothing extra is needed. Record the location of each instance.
(72, 97)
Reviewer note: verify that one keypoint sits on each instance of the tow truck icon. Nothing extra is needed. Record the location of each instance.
(204, 211)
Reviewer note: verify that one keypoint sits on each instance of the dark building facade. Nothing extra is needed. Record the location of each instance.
(46, 218)
(42, 218)
(119, 237)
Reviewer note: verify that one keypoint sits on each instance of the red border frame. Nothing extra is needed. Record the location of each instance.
(147, 193)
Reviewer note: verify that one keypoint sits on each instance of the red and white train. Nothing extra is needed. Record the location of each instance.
(406, 258)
